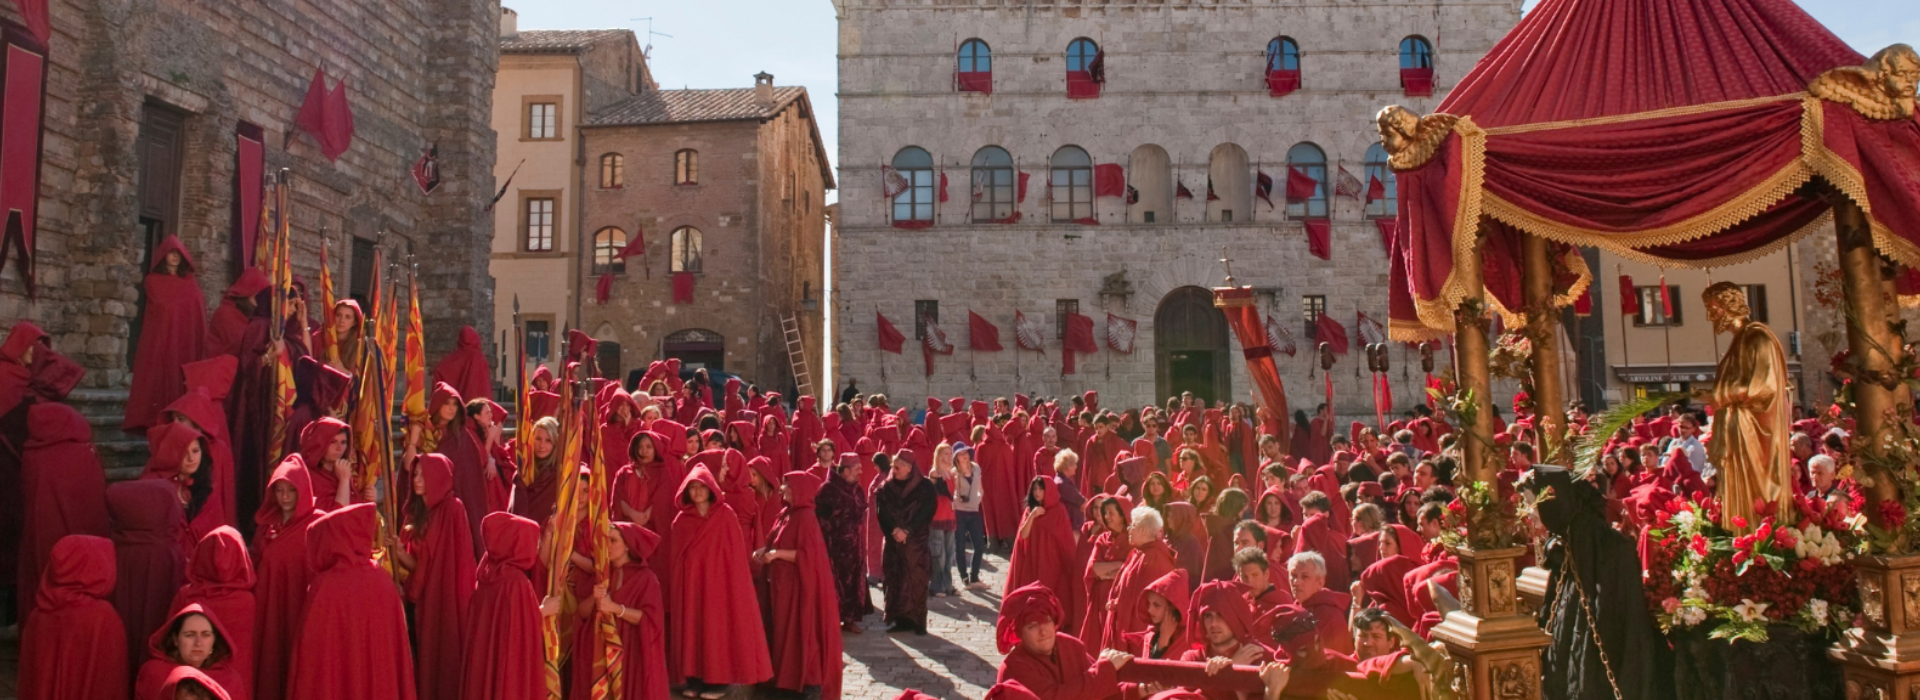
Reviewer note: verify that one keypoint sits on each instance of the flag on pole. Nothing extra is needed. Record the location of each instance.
(416, 401)
(1121, 333)
(1279, 338)
(1629, 297)
(981, 333)
(329, 338)
(1346, 185)
(891, 339)
(892, 183)
(1029, 333)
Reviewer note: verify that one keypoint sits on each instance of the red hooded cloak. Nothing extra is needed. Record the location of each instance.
(1145, 564)
(1069, 673)
(229, 322)
(63, 486)
(148, 528)
(352, 641)
(173, 332)
(187, 676)
(1004, 499)
(168, 444)
(281, 574)
(715, 633)
(442, 580)
(1318, 535)
(1385, 581)
(644, 675)
(73, 647)
(504, 657)
(158, 668)
(1047, 554)
(805, 608)
(220, 580)
(204, 406)
(1106, 547)
(314, 441)
(465, 369)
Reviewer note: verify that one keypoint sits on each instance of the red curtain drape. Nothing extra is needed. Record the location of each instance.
(249, 168)
(976, 81)
(1081, 85)
(1281, 83)
(22, 106)
(1418, 82)
(1244, 319)
(683, 287)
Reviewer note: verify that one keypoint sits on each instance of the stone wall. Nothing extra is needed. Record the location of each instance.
(1187, 77)
(418, 72)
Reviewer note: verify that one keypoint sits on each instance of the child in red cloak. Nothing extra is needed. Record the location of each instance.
(632, 598)
(173, 332)
(504, 656)
(715, 637)
(804, 608)
(148, 529)
(1044, 550)
(63, 487)
(1108, 555)
(220, 580)
(352, 641)
(192, 637)
(440, 554)
(73, 646)
(1053, 664)
(280, 569)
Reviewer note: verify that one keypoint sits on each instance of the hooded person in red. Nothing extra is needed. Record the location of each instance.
(1001, 504)
(203, 408)
(1319, 535)
(148, 531)
(189, 683)
(504, 656)
(1052, 664)
(1222, 628)
(805, 609)
(281, 574)
(646, 491)
(1107, 553)
(64, 489)
(73, 647)
(1150, 559)
(236, 307)
(1186, 534)
(193, 637)
(1167, 635)
(326, 447)
(633, 599)
(220, 580)
(1383, 583)
(534, 499)
(179, 459)
(1045, 551)
(173, 332)
(479, 478)
(440, 555)
(352, 641)
(465, 369)
(715, 637)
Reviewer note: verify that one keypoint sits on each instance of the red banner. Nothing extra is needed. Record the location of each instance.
(891, 340)
(1237, 304)
(1079, 340)
(1319, 237)
(1109, 180)
(1326, 330)
(982, 334)
(1629, 297)
(249, 174)
(22, 107)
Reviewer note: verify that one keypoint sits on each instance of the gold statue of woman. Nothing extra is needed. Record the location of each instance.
(1750, 412)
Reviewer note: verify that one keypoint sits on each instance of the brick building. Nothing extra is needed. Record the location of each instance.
(728, 187)
(550, 82)
(972, 101)
(147, 103)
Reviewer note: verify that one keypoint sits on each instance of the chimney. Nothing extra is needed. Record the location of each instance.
(509, 23)
(763, 88)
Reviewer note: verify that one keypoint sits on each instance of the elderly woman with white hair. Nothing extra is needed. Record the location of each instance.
(1826, 486)
(1150, 559)
(1307, 577)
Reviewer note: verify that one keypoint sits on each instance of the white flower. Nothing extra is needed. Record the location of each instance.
(1750, 611)
(1690, 615)
(1694, 593)
(1817, 611)
(1685, 520)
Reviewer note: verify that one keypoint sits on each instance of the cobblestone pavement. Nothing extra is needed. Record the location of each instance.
(956, 660)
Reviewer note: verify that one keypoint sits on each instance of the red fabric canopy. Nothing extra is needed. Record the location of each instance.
(1676, 132)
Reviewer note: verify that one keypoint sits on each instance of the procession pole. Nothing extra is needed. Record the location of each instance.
(1549, 394)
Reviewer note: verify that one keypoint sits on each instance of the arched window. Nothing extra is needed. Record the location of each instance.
(686, 250)
(613, 171)
(1416, 66)
(1312, 162)
(1227, 177)
(607, 244)
(1150, 175)
(975, 73)
(994, 196)
(1086, 68)
(1383, 200)
(1283, 66)
(686, 167)
(1070, 185)
(915, 203)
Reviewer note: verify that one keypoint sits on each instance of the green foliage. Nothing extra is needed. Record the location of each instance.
(1587, 450)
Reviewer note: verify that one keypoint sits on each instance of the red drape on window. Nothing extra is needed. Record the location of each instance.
(22, 107)
(943, 186)
(250, 167)
(1081, 85)
(976, 81)
(38, 21)
(913, 224)
(1281, 83)
(1109, 180)
(1021, 195)
(1418, 82)
(1244, 318)
(1079, 340)
(1319, 237)
(603, 288)
(683, 287)
(1695, 162)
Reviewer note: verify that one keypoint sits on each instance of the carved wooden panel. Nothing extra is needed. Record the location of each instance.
(1466, 591)
(1872, 601)
(1500, 591)
(1909, 600)
(1518, 679)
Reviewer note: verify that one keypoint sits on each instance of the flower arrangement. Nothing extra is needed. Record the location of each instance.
(1491, 516)
(1512, 356)
(1700, 575)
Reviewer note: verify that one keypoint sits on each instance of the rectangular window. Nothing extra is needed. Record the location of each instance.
(539, 340)
(1226, 215)
(543, 120)
(1148, 218)
(539, 225)
(1072, 192)
(916, 203)
(1061, 309)
(1652, 313)
(1757, 301)
(993, 194)
(924, 311)
(1312, 307)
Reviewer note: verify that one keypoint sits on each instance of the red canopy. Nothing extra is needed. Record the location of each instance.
(1677, 132)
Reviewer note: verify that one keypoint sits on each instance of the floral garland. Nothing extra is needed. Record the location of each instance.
(1699, 575)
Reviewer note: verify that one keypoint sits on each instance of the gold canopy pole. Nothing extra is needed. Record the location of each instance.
(1549, 397)
(1872, 342)
(1470, 334)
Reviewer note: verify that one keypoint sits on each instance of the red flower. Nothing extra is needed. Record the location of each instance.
(1784, 539)
(1892, 514)
(1739, 523)
(1740, 556)
(1699, 545)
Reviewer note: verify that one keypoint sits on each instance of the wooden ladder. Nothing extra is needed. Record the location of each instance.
(796, 355)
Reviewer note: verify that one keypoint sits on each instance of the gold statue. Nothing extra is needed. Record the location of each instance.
(1410, 139)
(1883, 88)
(1750, 412)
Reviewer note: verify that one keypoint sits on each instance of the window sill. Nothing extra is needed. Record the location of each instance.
(550, 139)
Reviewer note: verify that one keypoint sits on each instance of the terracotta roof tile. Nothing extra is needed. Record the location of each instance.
(558, 40)
(672, 106)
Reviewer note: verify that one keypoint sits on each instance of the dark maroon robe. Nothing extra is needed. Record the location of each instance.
(74, 646)
(504, 656)
(804, 608)
(280, 578)
(352, 641)
(906, 566)
(842, 510)
(220, 580)
(173, 332)
(148, 524)
(465, 369)
(441, 583)
(64, 489)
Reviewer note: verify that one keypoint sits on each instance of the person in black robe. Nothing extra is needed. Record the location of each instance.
(841, 507)
(250, 405)
(1596, 610)
(905, 505)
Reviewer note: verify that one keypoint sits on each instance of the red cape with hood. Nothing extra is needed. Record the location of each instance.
(1145, 564)
(352, 641)
(1318, 535)
(73, 646)
(1069, 673)
(220, 580)
(204, 405)
(1047, 555)
(280, 577)
(229, 322)
(655, 487)
(504, 656)
(63, 488)
(637, 587)
(1172, 587)
(173, 332)
(1003, 500)
(1384, 582)
(465, 369)
(1187, 535)
(167, 445)
(188, 676)
(805, 609)
(158, 668)
(148, 528)
(715, 631)
(313, 452)
(1104, 547)
(441, 583)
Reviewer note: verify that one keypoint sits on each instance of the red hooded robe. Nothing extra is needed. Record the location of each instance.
(1145, 564)
(281, 574)
(805, 608)
(1318, 535)
(714, 629)
(314, 441)
(465, 369)
(204, 405)
(220, 580)
(148, 531)
(1384, 581)
(1047, 554)
(73, 647)
(63, 488)
(229, 322)
(442, 581)
(352, 641)
(504, 656)
(173, 332)
(1069, 673)
(644, 677)
(158, 668)
(1104, 547)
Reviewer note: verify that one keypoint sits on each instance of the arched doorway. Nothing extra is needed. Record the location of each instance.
(1190, 346)
(696, 348)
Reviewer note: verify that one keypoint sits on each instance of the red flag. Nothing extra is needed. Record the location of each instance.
(1263, 186)
(891, 340)
(1369, 330)
(1279, 338)
(1109, 180)
(1376, 190)
(943, 185)
(1121, 333)
(1022, 197)
(1346, 185)
(1079, 339)
(1666, 298)
(637, 245)
(426, 170)
(603, 289)
(1326, 330)
(1028, 333)
(682, 287)
(1319, 237)
(339, 122)
(934, 342)
(1300, 185)
(981, 333)
(1181, 191)
(1583, 306)
(313, 109)
(1211, 197)
(892, 183)
(1629, 297)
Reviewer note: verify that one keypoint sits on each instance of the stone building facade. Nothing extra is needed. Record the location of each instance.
(550, 83)
(727, 187)
(143, 103)
(1186, 102)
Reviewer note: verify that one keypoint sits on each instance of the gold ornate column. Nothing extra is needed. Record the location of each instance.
(1543, 323)
(1496, 648)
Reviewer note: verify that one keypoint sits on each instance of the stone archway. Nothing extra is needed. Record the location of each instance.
(1190, 346)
